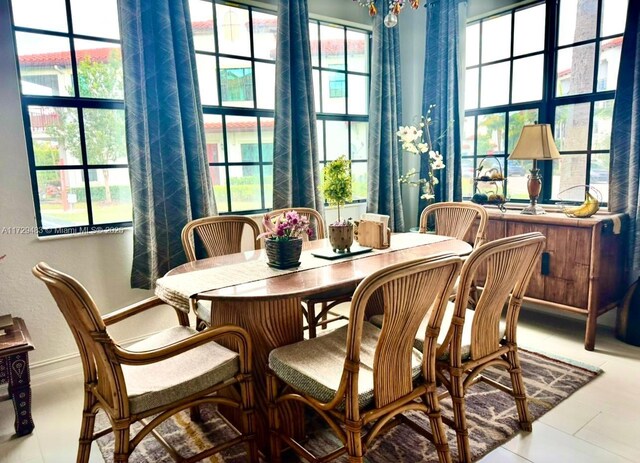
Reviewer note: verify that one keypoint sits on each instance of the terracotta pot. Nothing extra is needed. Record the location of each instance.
(341, 237)
(283, 253)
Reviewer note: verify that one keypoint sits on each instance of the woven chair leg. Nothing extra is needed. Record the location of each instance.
(249, 419)
(519, 391)
(437, 428)
(460, 419)
(86, 432)
(274, 419)
(121, 447)
(354, 447)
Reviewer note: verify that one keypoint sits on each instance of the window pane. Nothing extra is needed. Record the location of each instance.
(332, 46)
(359, 140)
(245, 188)
(40, 14)
(358, 94)
(568, 171)
(233, 24)
(468, 136)
(202, 25)
(614, 14)
(517, 120)
(241, 131)
(527, 79)
(213, 135)
(599, 177)
(517, 179)
(265, 85)
(529, 30)
(357, 51)
(207, 79)
(98, 18)
(236, 82)
(266, 127)
(320, 131)
(572, 127)
(45, 65)
(471, 89)
(609, 64)
(468, 173)
(575, 70)
(334, 92)
(56, 135)
(99, 69)
(110, 195)
(219, 181)
(577, 20)
(105, 136)
(496, 38)
(494, 85)
(62, 197)
(337, 139)
(314, 41)
(359, 176)
(265, 28)
(472, 52)
(316, 90)
(268, 186)
(491, 134)
(602, 115)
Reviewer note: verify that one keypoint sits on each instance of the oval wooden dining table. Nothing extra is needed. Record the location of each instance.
(270, 308)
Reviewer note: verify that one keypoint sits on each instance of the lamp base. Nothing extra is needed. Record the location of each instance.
(533, 209)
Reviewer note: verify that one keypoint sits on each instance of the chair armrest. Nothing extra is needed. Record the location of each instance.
(128, 357)
(139, 307)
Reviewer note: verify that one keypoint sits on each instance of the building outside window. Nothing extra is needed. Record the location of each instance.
(548, 63)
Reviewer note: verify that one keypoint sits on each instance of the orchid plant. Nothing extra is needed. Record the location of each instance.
(287, 226)
(418, 141)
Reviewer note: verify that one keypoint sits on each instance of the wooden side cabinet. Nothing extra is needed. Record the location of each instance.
(582, 268)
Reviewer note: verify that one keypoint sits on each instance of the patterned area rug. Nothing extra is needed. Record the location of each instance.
(491, 415)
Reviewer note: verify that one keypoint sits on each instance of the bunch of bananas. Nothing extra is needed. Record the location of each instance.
(589, 207)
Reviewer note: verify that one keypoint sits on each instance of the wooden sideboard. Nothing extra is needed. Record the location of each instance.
(582, 268)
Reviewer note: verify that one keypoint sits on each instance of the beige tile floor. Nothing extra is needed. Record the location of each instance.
(599, 423)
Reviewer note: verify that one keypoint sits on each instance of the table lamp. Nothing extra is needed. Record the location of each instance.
(535, 143)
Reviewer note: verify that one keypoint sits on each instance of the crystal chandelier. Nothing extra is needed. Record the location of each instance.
(395, 6)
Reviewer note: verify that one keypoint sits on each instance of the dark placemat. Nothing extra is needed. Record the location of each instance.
(327, 253)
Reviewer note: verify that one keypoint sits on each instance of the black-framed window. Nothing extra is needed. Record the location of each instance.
(340, 58)
(236, 51)
(551, 62)
(70, 68)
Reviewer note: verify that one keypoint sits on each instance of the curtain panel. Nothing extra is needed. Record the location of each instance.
(443, 84)
(624, 182)
(385, 113)
(296, 168)
(170, 183)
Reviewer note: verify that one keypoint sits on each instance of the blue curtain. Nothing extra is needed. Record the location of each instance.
(624, 190)
(385, 112)
(170, 183)
(296, 168)
(443, 84)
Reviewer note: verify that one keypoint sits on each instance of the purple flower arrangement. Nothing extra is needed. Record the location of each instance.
(287, 226)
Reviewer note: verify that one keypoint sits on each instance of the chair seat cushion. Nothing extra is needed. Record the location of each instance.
(164, 382)
(315, 366)
(444, 329)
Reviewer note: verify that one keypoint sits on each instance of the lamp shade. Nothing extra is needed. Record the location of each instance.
(535, 142)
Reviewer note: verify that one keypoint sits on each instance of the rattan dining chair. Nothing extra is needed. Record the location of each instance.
(359, 377)
(327, 300)
(455, 219)
(477, 339)
(153, 379)
(219, 235)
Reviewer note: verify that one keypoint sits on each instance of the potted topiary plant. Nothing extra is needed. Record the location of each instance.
(337, 191)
